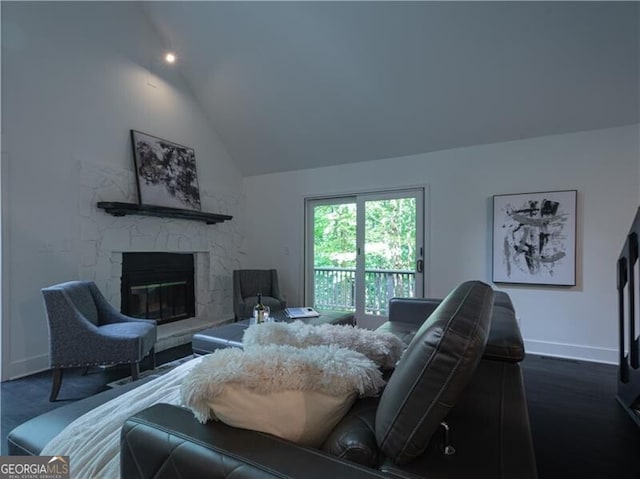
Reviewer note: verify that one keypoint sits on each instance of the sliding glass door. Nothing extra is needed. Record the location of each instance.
(364, 249)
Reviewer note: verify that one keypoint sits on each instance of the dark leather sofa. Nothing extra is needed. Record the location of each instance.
(483, 407)
(461, 367)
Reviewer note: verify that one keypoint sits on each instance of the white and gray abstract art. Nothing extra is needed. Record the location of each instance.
(166, 172)
(534, 238)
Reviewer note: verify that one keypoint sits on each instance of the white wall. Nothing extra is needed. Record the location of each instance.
(76, 79)
(602, 165)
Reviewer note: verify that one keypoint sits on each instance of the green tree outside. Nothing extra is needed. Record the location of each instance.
(390, 239)
(335, 236)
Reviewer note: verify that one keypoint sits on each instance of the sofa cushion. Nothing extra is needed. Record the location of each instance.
(435, 369)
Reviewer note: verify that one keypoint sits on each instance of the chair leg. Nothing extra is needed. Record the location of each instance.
(152, 357)
(135, 371)
(55, 385)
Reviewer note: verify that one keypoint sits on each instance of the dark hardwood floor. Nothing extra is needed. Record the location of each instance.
(579, 429)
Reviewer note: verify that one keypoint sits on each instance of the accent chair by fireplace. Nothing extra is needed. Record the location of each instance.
(85, 330)
(247, 283)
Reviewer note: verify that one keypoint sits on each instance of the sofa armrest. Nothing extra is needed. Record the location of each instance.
(165, 441)
(412, 310)
(505, 342)
(489, 429)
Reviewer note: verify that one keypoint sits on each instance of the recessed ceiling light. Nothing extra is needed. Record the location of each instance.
(170, 57)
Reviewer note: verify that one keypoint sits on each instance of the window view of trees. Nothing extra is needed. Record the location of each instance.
(335, 236)
(389, 247)
(390, 234)
(390, 239)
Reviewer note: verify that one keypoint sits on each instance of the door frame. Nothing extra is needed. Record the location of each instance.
(362, 199)
(4, 271)
(308, 286)
(340, 197)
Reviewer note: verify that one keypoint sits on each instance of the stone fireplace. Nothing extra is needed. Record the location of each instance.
(105, 239)
(117, 282)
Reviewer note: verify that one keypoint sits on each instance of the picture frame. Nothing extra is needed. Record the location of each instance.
(166, 172)
(534, 238)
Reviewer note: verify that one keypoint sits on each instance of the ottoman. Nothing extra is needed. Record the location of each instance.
(230, 335)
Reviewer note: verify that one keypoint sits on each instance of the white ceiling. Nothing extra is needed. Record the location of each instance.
(291, 85)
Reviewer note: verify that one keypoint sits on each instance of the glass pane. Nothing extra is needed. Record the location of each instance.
(174, 300)
(334, 261)
(138, 302)
(165, 301)
(145, 302)
(390, 252)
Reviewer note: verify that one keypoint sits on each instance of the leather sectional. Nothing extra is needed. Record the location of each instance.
(454, 407)
(461, 366)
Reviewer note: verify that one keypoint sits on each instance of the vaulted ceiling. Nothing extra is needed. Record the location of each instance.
(291, 85)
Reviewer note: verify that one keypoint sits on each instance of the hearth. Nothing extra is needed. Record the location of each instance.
(158, 286)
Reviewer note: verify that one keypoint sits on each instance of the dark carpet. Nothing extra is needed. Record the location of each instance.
(24, 398)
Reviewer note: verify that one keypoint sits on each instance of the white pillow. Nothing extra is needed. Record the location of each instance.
(296, 394)
(385, 349)
(303, 417)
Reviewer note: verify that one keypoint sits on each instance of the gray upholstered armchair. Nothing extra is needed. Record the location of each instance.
(247, 283)
(85, 330)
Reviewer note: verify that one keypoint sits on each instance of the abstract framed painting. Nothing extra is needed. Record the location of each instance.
(534, 238)
(165, 172)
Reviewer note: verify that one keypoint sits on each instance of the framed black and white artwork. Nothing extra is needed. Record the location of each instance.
(165, 172)
(534, 238)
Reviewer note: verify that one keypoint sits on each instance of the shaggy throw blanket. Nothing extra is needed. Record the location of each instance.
(384, 349)
(329, 369)
(93, 439)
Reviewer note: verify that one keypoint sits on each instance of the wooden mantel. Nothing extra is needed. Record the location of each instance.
(121, 209)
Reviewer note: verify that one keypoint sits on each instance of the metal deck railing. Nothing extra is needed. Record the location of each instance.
(335, 288)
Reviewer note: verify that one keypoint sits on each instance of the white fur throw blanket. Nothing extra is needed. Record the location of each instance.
(385, 349)
(328, 369)
(93, 440)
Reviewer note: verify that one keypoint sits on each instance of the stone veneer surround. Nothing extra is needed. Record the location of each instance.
(103, 239)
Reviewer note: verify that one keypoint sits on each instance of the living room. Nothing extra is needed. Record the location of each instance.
(77, 77)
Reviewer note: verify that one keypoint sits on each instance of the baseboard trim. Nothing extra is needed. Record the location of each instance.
(26, 367)
(572, 351)
(170, 335)
(39, 363)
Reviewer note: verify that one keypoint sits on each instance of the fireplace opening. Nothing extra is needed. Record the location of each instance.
(158, 286)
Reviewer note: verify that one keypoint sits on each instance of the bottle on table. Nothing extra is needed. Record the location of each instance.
(258, 310)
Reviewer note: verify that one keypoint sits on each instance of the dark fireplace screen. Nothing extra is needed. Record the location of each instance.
(158, 286)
